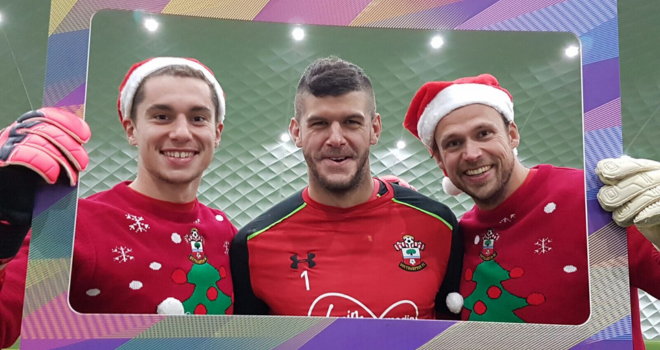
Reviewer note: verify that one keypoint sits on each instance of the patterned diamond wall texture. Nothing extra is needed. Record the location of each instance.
(259, 65)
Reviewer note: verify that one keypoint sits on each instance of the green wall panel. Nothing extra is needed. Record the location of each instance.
(23, 45)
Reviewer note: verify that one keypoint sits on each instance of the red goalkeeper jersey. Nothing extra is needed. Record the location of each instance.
(397, 256)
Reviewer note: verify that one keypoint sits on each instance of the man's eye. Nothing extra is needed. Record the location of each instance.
(451, 144)
(160, 117)
(484, 133)
(199, 118)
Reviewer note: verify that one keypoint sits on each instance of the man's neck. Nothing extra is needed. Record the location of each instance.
(168, 192)
(360, 194)
(516, 180)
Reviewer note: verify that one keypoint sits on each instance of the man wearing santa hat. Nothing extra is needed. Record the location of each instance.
(145, 246)
(525, 239)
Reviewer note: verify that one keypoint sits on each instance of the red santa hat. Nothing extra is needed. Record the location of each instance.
(141, 70)
(436, 99)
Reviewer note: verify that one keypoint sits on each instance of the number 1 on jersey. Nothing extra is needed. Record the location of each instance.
(306, 277)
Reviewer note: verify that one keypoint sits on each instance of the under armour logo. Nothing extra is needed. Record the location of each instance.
(310, 260)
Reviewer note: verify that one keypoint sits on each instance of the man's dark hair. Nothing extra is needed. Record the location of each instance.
(175, 71)
(332, 76)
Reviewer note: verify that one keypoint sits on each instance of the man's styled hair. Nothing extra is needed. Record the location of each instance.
(175, 71)
(332, 76)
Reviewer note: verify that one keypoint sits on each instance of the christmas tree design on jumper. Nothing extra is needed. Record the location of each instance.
(490, 301)
(206, 298)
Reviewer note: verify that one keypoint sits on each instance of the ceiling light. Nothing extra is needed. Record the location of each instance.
(298, 34)
(572, 51)
(436, 42)
(151, 24)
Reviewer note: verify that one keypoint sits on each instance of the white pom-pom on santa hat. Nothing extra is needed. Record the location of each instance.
(449, 187)
(437, 99)
(170, 306)
(455, 302)
(141, 70)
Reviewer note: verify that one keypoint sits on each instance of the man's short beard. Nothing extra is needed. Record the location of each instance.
(339, 188)
(498, 195)
(169, 180)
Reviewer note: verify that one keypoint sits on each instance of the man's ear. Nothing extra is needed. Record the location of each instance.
(131, 131)
(218, 133)
(435, 153)
(294, 131)
(376, 129)
(514, 135)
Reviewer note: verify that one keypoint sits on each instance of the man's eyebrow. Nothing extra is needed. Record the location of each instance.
(314, 118)
(160, 107)
(200, 109)
(164, 107)
(478, 127)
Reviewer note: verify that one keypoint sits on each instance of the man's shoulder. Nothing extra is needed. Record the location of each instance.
(105, 196)
(427, 205)
(562, 176)
(214, 211)
(272, 216)
(560, 171)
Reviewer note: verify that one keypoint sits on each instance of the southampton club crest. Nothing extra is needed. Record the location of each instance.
(411, 252)
(196, 242)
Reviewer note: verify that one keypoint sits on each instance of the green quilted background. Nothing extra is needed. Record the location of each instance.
(639, 30)
(259, 64)
(23, 43)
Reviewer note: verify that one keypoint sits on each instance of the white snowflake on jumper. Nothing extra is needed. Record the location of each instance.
(550, 207)
(176, 238)
(197, 221)
(226, 245)
(123, 254)
(138, 225)
(543, 246)
(508, 219)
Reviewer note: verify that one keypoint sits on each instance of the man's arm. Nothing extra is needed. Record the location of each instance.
(643, 263)
(631, 193)
(32, 150)
(12, 290)
(245, 301)
(448, 302)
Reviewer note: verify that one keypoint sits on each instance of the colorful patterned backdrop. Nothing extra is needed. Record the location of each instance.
(49, 323)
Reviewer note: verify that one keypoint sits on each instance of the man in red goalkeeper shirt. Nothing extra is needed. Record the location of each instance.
(348, 245)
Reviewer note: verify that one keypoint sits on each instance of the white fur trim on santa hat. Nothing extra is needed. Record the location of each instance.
(455, 302)
(457, 96)
(141, 72)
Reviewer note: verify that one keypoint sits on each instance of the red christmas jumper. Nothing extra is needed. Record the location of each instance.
(109, 279)
(132, 252)
(526, 260)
